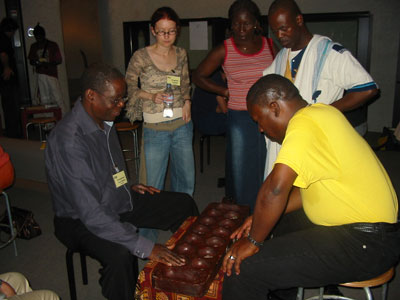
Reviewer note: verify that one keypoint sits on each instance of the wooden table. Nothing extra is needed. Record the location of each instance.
(26, 112)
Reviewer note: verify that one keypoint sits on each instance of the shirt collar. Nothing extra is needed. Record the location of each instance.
(88, 124)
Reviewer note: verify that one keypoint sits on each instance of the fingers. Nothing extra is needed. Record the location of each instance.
(153, 189)
(163, 255)
(227, 264)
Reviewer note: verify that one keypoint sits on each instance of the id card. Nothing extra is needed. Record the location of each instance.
(120, 179)
(174, 80)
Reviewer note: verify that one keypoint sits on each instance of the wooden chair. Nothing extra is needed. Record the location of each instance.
(41, 122)
(381, 280)
(127, 127)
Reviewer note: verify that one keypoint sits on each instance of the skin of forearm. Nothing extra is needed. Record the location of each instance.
(269, 208)
(209, 85)
(354, 100)
(294, 202)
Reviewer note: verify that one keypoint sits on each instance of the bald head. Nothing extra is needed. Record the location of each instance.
(272, 87)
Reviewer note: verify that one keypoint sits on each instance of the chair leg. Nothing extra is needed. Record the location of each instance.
(84, 269)
(201, 152)
(300, 292)
(208, 149)
(71, 275)
(40, 132)
(136, 151)
(368, 293)
(10, 222)
(384, 291)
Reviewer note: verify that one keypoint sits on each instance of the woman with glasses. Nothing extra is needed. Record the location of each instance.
(243, 58)
(165, 136)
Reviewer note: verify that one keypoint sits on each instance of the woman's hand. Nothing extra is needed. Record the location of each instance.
(186, 111)
(158, 98)
(222, 106)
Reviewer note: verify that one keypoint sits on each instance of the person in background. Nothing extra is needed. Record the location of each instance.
(6, 170)
(321, 69)
(243, 57)
(209, 109)
(166, 138)
(97, 210)
(15, 286)
(326, 169)
(8, 79)
(45, 56)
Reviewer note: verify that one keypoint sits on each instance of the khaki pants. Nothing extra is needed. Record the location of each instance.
(23, 290)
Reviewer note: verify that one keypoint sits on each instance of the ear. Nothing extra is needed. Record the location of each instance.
(275, 108)
(153, 32)
(299, 20)
(89, 95)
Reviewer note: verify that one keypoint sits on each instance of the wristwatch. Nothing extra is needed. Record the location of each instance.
(254, 242)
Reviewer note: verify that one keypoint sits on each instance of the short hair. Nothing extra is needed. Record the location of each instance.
(96, 77)
(288, 5)
(39, 30)
(164, 12)
(272, 87)
(247, 6)
(8, 25)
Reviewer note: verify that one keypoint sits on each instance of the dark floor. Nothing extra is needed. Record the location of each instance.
(42, 259)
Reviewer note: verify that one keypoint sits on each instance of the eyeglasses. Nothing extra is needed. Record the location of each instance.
(115, 102)
(164, 33)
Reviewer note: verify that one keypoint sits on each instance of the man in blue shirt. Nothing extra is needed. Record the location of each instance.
(97, 211)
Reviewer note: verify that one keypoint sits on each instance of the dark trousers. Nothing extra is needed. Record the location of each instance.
(10, 104)
(312, 256)
(165, 211)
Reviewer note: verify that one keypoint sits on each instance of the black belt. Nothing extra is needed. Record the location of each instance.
(374, 227)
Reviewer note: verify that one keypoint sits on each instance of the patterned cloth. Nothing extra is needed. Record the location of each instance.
(145, 291)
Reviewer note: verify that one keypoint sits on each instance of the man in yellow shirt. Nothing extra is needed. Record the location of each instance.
(329, 170)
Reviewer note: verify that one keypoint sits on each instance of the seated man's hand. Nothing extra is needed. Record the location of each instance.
(163, 255)
(141, 189)
(7, 290)
(243, 230)
(239, 251)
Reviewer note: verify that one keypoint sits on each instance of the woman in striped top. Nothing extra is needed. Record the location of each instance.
(243, 57)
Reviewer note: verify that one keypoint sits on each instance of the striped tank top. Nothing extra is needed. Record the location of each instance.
(243, 70)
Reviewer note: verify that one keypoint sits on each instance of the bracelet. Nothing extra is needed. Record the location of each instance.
(188, 100)
(254, 242)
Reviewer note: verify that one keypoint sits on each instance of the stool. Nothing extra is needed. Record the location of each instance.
(41, 122)
(202, 138)
(13, 232)
(132, 129)
(71, 274)
(381, 280)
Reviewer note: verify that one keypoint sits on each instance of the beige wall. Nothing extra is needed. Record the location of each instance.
(81, 30)
(48, 14)
(385, 35)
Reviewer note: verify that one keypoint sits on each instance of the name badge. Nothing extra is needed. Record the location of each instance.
(174, 80)
(120, 179)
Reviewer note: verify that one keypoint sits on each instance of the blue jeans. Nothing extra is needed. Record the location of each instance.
(246, 154)
(176, 145)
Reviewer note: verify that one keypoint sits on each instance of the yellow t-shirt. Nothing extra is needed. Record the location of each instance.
(340, 178)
